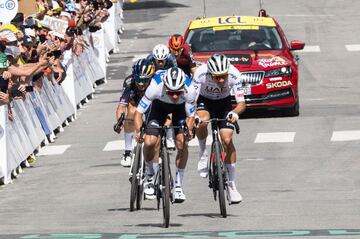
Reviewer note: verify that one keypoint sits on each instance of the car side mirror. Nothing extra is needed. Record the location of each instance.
(297, 45)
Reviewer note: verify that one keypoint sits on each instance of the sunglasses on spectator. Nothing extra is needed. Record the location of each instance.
(174, 93)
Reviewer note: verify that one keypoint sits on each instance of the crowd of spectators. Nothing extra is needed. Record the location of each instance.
(30, 49)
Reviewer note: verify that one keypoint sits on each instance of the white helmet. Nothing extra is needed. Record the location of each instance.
(161, 52)
(218, 64)
(174, 79)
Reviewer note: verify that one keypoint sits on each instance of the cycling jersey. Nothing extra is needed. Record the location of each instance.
(170, 62)
(157, 90)
(185, 60)
(130, 92)
(208, 88)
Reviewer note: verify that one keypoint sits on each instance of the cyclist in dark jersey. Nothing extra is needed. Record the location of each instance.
(182, 52)
(133, 90)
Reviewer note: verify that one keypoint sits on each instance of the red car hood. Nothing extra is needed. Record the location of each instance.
(249, 60)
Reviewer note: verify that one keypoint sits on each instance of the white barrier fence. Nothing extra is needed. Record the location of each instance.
(26, 124)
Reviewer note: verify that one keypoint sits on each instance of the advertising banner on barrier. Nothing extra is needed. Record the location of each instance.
(3, 146)
(8, 10)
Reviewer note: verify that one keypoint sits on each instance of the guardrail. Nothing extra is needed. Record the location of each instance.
(28, 124)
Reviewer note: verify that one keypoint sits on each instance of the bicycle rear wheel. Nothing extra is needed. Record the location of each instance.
(134, 177)
(220, 179)
(165, 177)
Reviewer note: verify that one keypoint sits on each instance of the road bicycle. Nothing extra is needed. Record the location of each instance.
(218, 176)
(164, 182)
(137, 175)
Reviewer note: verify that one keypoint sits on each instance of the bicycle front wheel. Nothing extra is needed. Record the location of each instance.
(165, 177)
(220, 179)
(134, 177)
(140, 187)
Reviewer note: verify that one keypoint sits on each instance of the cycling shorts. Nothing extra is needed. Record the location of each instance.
(217, 109)
(158, 113)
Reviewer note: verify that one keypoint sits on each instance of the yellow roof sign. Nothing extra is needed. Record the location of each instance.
(232, 21)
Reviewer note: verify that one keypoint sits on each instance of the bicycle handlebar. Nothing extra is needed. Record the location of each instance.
(237, 128)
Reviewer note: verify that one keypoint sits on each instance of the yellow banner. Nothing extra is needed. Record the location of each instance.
(232, 21)
(223, 28)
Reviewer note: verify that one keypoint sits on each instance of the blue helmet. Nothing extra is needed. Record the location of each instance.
(143, 70)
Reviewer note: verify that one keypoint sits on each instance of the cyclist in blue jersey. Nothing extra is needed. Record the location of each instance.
(170, 92)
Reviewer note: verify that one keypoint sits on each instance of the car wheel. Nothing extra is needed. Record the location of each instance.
(292, 111)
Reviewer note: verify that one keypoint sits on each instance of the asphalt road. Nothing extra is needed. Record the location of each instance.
(305, 186)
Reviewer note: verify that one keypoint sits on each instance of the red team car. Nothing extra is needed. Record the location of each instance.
(258, 47)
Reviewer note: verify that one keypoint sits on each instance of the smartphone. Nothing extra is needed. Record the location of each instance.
(14, 92)
(3, 84)
(42, 38)
(29, 88)
(57, 54)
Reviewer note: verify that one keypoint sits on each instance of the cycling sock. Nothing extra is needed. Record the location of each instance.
(169, 134)
(155, 166)
(231, 172)
(128, 140)
(179, 177)
(149, 170)
(202, 144)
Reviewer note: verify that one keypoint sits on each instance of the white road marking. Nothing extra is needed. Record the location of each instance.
(54, 150)
(275, 137)
(311, 49)
(347, 135)
(254, 159)
(353, 47)
(195, 141)
(118, 145)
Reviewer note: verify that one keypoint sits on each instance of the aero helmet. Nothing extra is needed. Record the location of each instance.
(143, 70)
(174, 79)
(218, 64)
(160, 52)
(176, 42)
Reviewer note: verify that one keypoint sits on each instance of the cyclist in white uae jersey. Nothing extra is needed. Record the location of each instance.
(169, 92)
(214, 82)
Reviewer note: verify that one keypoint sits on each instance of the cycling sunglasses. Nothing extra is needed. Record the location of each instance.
(174, 93)
(218, 77)
(177, 52)
(142, 80)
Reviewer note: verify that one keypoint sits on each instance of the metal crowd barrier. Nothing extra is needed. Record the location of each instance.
(31, 122)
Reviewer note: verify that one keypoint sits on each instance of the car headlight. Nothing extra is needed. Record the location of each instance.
(282, 71)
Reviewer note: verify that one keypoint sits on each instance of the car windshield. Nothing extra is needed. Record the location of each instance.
(230, 39)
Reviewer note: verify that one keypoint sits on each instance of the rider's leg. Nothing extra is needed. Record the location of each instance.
(151, 152)
(129, 127)
(169, 133)
(181, 158)
(230, 162)
(202, 132)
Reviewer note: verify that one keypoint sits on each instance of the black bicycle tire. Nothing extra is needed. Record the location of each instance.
(166, 187)
(220, 177)
(134, 181)
(140, 187)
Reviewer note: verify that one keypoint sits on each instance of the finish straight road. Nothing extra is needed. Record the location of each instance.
(305, 183)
